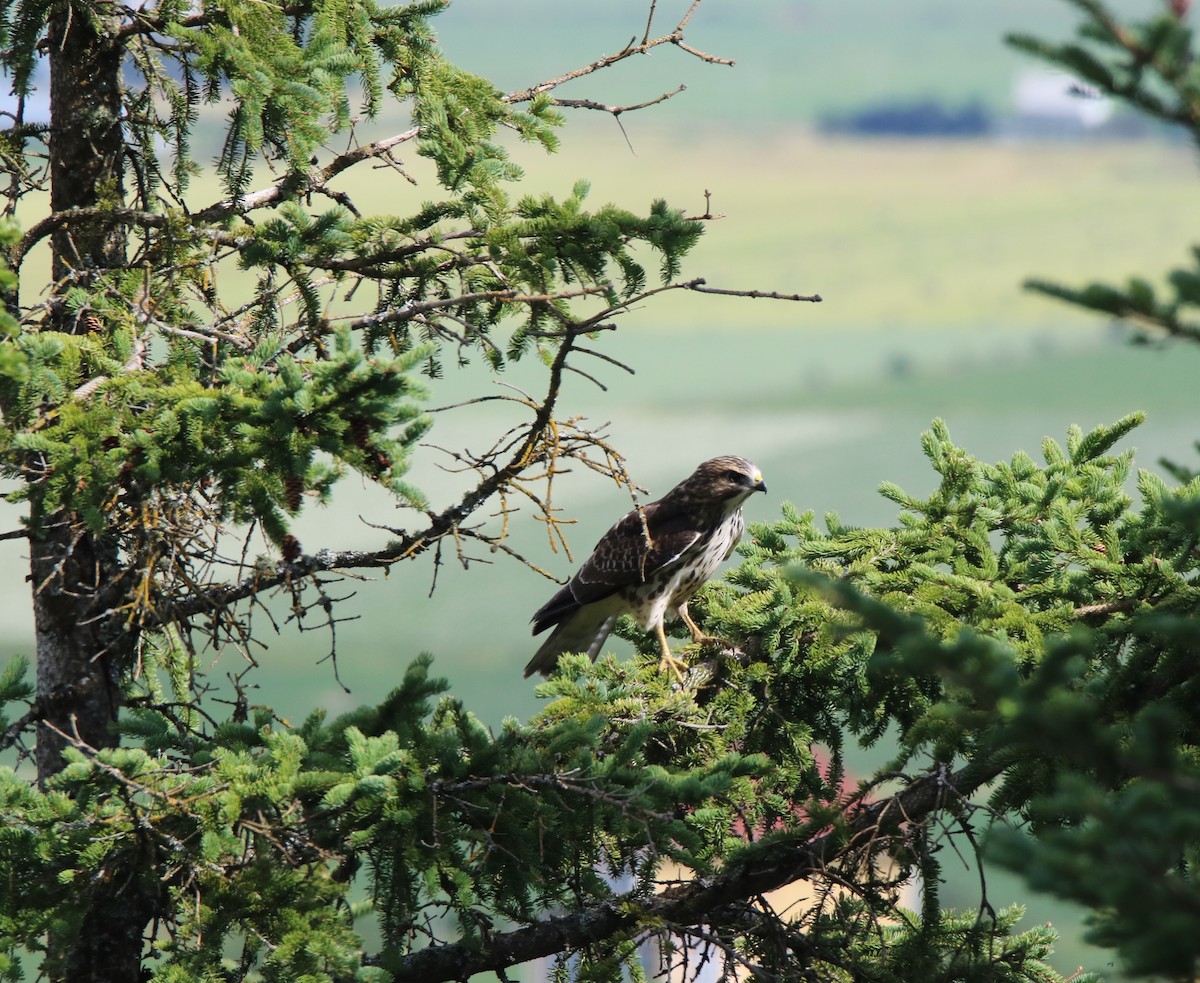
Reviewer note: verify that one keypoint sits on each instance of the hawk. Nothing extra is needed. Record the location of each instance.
(650, 563)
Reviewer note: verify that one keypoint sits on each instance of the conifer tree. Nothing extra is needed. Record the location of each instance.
(197, 364)
(1026, 631)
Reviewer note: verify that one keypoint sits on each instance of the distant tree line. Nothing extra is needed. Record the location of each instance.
(925, 118)
(922, 118)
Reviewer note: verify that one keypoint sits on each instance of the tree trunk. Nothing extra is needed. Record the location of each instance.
(81, 652)
(80, 658)
(76, 666)
(85, 137)
(78, 681)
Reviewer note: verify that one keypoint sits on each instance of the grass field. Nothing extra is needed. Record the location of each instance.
(895, 234)
(918, 250)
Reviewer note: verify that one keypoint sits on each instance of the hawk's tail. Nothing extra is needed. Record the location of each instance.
(582, 632)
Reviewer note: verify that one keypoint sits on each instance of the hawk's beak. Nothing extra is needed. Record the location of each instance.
(760, 485)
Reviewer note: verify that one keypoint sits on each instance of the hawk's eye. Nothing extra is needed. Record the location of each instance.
(735, 476)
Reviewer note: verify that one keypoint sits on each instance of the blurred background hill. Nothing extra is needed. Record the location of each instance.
(823, 152)
(797, 61)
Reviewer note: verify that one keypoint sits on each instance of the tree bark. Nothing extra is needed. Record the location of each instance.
(80, 658)
(82, 652)
(79, 654)
(86, 143)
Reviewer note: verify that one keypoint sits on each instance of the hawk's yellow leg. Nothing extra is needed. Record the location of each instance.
(668, 662)
(697, 635)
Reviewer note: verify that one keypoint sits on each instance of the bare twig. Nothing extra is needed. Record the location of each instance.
(314, 181)
(645, 46)
(616, 110)
(758, 294)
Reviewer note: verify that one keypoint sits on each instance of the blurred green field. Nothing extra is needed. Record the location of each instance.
(893, 234)
(795, 59)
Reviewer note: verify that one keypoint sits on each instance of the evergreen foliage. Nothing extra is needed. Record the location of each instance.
(1026, 633)
(1150, 65)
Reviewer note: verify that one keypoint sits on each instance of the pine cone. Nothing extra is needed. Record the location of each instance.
(293, 488)
(360, 433)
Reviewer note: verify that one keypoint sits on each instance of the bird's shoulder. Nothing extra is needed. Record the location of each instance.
(641, 542)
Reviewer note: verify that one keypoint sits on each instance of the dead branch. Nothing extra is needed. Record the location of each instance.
(58, 220)
(616, 110)
(707, 900)
(758, 294)
(315, 180)
(634, 47)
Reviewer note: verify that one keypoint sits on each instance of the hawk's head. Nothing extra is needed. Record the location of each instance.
(729, 480)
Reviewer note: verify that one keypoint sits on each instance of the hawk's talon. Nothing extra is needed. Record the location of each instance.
(674, 665)
(669, 662)
(698, 635)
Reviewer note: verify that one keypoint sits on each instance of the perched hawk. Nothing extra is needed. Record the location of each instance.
(650, 563)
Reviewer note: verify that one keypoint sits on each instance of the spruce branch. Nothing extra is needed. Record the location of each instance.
(706, 900)
(1126, 80)
(1136, 302)
(495, 477)
(367, 263)
(414, 309)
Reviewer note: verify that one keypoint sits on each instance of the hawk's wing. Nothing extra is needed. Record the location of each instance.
(585, 609)
(622, 558)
